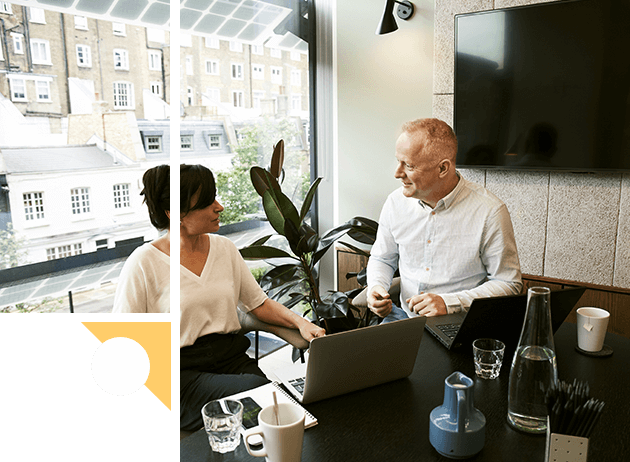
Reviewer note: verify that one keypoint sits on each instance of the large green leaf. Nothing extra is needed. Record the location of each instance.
(262, 180)
(303, 240)
(363, 230)
(262, 252)
(262, 240)
(277, 159)
(279, 208)
(292, 234)
(357, 250)
(306, 205)
(280, 275)
(329, 239)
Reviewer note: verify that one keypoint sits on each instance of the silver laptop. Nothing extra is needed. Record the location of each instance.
(349, 361)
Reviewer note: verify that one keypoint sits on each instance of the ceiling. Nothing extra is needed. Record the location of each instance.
(146, 13)
(248, 21)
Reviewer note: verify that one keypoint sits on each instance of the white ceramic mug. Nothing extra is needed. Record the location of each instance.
(591, 328)
(281, 442)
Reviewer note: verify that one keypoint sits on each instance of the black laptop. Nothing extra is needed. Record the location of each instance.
(498, 317)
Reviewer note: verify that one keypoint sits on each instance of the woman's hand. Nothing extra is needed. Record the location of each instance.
(273, 312)
(309, 331)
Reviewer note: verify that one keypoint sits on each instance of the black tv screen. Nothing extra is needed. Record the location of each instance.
(545, 86)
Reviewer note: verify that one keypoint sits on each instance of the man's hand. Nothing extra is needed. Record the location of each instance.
(378, 301)
(427, 305)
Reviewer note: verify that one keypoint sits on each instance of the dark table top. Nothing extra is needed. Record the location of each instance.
(391, 421)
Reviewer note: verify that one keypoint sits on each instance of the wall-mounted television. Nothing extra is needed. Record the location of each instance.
(545, 86)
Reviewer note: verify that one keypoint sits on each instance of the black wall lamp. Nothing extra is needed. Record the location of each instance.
(388, 22)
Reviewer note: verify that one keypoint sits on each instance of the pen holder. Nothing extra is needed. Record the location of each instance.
(565, 448)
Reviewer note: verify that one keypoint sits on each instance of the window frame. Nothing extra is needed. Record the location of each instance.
(153, 143)
(118, 30)
(121, 59)
(238, 98)
(35, 207)
(12, 84)
(38, 93)
(122, 197)
(214, 145)
(81, 24)
(258, 74)
(156, 85)
(212, 42)
(190, 144)
(276, 75)
(214, 63)
(130, 95)
(18, 43)
(240, 74)
(36, 15)
(80, 201)
(87, 58)
(40, 45)
(6, 7)
(155, 60)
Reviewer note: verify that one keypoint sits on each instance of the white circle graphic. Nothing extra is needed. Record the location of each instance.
(120, 366)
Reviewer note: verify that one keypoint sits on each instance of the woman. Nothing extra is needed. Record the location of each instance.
(214, 280)
(144, 285)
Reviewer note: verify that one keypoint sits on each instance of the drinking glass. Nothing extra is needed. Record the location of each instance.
(222, 419)
(488, 354)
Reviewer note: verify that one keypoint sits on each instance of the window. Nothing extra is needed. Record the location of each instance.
(155, 60)
(296, 56)
(84, 56)
(153, 143)
(118, 28)
(121, 59)
(80, 198)
(212, 67)
(236, 46)
(212, 42)
(276, 75)
(80, 22)
(123, 95)
(190, 93)
(275, 53)
(186, 142)
(33, 206)
(189, 65)
(211, 97)
(55, 214)
(18, 43)
(258, 50)
(37, 15)
(296, 77)
(18, 89)
(237, 98)
(101, 244)
(296, 102)
(214, 141)
(258, 71)
(156, 88)
(43, 90)
(237, 71)
(40, 49)
(64, 251)
(121, 196)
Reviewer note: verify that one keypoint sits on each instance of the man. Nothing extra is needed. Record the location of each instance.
(451, 239)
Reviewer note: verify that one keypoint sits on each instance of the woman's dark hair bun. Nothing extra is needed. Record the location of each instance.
(157, 194)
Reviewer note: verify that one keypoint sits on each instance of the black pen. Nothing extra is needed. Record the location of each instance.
(598, 413)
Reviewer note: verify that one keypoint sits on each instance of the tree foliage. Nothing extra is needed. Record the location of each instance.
(12, 247)
(255, 147)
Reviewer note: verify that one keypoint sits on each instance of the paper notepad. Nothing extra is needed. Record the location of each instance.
(258, 398)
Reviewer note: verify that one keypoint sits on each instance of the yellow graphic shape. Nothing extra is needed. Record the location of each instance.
(155, 338)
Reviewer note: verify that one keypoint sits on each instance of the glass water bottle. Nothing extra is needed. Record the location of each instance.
(534, 367)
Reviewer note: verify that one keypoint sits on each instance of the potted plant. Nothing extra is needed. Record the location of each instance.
(294, 280)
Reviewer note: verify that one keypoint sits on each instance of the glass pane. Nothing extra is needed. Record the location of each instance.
(94, 127)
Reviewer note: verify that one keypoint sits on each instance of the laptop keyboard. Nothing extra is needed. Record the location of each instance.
(450, 330)
(298, 384)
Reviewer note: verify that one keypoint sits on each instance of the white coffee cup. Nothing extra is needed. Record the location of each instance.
(281, 442)
(591, 328)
